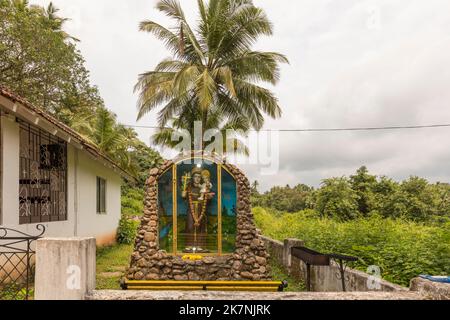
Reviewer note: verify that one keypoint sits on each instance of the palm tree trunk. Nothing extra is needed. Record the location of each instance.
(204, 121)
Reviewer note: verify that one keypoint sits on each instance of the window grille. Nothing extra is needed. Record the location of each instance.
(43, 176)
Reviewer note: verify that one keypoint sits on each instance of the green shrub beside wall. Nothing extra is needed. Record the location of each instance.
(403, 250)
(132, 208)
(127, 230)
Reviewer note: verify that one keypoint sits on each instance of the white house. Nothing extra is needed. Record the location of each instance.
(51, 175)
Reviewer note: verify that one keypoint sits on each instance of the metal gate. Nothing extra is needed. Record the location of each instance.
(17, 263)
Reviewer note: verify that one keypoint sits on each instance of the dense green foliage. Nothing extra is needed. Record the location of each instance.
(213, 75)
(279, 273)
(364, 195)
(402, 227)
(402, 249)
(126, 233)
(41, 63)
(132, 201)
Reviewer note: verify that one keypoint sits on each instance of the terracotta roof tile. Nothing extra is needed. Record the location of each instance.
(89, 146)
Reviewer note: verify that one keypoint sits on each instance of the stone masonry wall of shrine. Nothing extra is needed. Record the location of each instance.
(198, 225)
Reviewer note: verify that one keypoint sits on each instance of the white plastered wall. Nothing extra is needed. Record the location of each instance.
(103, 226)
(82, 170)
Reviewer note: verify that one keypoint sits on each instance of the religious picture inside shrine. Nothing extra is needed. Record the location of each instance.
(197, 209)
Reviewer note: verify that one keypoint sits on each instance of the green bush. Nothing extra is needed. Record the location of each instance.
(132, 202)
(362, 195)
(402, 249)
(127, 230)
(132, 207)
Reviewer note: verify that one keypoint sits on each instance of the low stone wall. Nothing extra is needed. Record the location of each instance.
(275, 248)
(431, 290)
(325, 278)
(65, 269)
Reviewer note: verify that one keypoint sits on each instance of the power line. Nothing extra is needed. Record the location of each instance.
(385, 128)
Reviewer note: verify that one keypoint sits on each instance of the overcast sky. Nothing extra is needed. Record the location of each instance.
(353, 63)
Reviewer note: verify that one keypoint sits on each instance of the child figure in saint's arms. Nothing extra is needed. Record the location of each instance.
(206, 186)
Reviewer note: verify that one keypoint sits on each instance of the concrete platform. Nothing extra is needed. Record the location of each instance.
(202, 295)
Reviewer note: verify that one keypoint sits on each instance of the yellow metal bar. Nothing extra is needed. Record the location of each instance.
(207, 158)
(204, 283)
(219, 209)
(206, 288)
(229, 172)
(203, 255)
(249, 289)
(202, 157)
(246, 289)
(165, 171)
(161, 288)
(175, 210)
(227, 289)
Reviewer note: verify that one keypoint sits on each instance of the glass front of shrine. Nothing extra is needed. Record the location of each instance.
(197, 208)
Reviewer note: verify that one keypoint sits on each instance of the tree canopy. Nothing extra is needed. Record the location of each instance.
(40, 62)
(363, 195)
(213, 71)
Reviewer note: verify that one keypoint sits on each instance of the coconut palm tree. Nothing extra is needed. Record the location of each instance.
(55, 22)
(231, 132)
(213, 69)
(20, 5)
(114, 139)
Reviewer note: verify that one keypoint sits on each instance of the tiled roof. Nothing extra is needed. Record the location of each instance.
(87, 145)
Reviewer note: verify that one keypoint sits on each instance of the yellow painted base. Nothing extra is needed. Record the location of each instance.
(263, 286)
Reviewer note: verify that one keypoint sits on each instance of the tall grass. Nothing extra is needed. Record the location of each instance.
(403, 250)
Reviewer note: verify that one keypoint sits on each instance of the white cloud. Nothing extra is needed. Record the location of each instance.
(353, 63)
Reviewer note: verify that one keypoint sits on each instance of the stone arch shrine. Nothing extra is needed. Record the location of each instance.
(198, 225)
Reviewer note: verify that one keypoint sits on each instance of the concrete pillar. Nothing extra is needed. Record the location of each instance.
(288, 244)
(65, 268)
(10, 171)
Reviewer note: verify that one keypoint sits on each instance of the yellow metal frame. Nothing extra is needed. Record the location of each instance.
(207, 158)
(175, 210)
(262, 286)
(220, 166)
(219, 209)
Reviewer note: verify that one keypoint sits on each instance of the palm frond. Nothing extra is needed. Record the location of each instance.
(170, 40)
(213, 73)
(205, 87)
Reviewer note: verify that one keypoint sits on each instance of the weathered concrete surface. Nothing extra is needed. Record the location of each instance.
(274, 247)
(202, 295)
(287, 247)
(431, 290)
(65, 268)
(325, 278)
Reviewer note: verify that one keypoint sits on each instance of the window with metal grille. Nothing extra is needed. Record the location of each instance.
(43, 176)
(101, 195)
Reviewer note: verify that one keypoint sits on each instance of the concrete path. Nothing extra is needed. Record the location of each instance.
(202, 295)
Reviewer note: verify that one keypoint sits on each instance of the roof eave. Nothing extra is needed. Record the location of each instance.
(24, 110)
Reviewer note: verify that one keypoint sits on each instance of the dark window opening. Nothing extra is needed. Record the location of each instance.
(43, 176)
(101, 195)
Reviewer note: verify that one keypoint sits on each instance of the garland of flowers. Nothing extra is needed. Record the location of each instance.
(196, 218)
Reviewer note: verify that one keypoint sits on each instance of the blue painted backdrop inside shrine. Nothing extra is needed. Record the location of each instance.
(205, 235)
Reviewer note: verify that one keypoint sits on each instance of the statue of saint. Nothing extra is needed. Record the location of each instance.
(196, 191)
